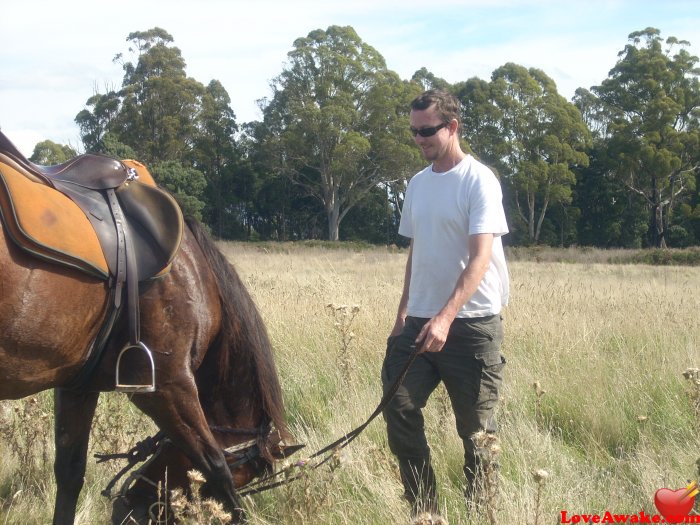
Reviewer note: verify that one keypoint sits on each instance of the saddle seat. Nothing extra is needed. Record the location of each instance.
(96, 172)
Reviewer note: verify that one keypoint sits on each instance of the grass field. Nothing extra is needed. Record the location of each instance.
(595, 394)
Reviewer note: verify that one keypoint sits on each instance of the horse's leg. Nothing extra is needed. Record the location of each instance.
(73, 418)
(180, 416)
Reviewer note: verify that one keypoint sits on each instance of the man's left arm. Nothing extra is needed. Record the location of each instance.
(434, 333)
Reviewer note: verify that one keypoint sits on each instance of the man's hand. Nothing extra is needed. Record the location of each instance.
(433, 335)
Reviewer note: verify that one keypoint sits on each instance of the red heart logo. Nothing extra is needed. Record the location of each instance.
(674, 505)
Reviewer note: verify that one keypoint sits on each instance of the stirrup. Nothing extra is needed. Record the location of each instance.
(136, 388)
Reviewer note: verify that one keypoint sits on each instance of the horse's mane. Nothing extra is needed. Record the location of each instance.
(243, 340)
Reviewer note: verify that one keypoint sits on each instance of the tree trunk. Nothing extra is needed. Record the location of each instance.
(538, 230)
(531, 216)
(334, 222)
(660, 232)
(657, 216)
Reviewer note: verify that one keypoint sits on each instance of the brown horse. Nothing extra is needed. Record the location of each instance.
(216, 380)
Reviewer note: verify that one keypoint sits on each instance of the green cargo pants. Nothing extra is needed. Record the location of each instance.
(471, 367)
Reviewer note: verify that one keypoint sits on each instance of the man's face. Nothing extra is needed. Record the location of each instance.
(432, 147)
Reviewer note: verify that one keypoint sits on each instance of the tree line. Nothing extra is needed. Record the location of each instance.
(618, 166)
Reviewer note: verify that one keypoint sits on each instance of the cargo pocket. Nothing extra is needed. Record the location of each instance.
(492, 364)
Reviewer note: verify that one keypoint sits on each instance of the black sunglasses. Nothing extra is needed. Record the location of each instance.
(428, 132)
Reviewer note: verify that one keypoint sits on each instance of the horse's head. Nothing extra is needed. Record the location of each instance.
(250, 454)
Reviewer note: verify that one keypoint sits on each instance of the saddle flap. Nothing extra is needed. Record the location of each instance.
(155, 224)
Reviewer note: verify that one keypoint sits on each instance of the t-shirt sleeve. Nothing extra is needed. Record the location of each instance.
(486, 214)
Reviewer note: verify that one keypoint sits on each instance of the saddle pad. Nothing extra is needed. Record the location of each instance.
(47, 223)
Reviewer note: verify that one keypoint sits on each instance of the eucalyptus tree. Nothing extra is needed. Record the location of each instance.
(155, 110)
(651, 103)
(282, 210)
(214, 154)
(337, 123)
(428, 80)
(159, 102)
(185, 183)
(520, 125)
(95, 122)
(179, 128)
(482, 122)
(610, 216)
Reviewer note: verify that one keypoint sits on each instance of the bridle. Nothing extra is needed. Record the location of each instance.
(149, 449)
(248, 451)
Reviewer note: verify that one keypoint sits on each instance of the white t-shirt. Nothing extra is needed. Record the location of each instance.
(440, 212)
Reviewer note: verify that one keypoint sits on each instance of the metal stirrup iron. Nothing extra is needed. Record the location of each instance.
(137, 348)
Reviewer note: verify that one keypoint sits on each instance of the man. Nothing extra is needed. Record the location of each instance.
(456, 283)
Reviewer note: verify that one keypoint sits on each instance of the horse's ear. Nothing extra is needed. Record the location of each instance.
(284, 451)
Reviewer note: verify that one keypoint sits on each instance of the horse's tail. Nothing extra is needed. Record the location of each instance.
(243, 336)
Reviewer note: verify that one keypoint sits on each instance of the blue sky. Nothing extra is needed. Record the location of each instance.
(55, 55)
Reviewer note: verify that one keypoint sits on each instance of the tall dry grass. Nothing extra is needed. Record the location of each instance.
(596, 412)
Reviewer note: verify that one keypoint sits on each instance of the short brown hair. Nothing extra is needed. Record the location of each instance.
(447, 105)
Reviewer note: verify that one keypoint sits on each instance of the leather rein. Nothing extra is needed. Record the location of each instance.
(326, 453)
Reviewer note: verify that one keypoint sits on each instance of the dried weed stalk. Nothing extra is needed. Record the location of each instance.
(540, 476)
(343, 316)
(486, 490)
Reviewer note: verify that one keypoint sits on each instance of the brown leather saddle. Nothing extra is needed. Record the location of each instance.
(99, 215)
